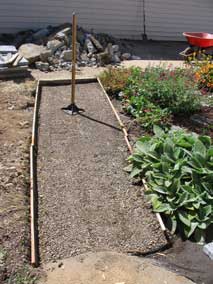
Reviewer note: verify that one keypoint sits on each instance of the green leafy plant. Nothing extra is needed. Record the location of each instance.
(146, 113)
(178, 167)
(172, 89)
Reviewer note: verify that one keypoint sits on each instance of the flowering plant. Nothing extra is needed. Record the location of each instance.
(204, 76)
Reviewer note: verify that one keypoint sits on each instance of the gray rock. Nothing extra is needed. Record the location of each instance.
(54, 44)
(126, 56)
(134, 57)
(115, 48)
(66, 55)
(81, 37)
(90, 47)
(104, 58)
(8, 49)
(60, 36)
(116, 58)
(45, 55)
(84, 56)
(208, 250)
(66, 31)
(42, 66)
(31, 51)
(109, 49)
(96, 43)
(40, 34)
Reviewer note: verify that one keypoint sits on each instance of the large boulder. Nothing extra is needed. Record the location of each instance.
(31, 52)
(54, 45)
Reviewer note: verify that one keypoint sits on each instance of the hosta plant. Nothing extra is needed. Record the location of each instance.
(178, 167)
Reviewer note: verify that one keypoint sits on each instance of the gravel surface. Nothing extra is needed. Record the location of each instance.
(86, 202)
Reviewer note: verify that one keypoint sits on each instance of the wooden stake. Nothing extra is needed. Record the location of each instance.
(74, 33)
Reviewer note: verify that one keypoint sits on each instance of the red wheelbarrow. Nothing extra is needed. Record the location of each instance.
(199, 43)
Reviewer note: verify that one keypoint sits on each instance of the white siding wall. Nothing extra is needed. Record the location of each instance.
(168, 19)
(165, 19)
(121, 18)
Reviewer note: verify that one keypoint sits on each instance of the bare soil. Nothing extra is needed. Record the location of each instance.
(86, 202)
(187, 258)
(16, 104)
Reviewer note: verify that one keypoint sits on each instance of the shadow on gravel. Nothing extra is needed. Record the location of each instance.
(98, 121)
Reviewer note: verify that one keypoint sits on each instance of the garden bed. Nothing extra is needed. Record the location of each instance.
(169, 99)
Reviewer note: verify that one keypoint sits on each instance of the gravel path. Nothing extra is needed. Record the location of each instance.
(86, 202)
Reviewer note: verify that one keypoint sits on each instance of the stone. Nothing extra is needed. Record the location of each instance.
(42, 66)
(31, 52)
(54, 44)
(208, 250)
(41, 34)
(45, 55)
(126, 56)
(134, 57)
(116, 58)
(84, 56)
(81, 36)
(115, 48)
(104, 58)
(96, 43)
(109, 49)
(90, 47)
(66, 55)
(4, 49)
(66, 31)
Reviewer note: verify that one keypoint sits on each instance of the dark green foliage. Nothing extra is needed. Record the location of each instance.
(152, 96)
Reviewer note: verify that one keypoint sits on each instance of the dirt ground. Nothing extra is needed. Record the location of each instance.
(16, 105)
(86, 202)
(187, 258)
(110, 267)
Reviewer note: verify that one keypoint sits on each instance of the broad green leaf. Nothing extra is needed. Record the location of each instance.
(143, 147)
(183, 217)
(158, 131)
(200, 148)
(135, 172)
(190, 230)
(128, 168)
(206, 140)
(199, 236)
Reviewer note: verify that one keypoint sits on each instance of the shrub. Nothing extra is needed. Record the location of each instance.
(178, 167)
(114, 80)
(171, 89)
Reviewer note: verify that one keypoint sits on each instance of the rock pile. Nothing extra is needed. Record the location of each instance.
(50, 49)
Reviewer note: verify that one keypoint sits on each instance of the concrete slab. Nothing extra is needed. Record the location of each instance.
(110, 267)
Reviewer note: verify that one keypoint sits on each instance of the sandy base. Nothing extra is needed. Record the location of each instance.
(113, 268)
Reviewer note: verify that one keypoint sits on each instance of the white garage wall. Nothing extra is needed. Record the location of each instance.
(121, 18)
(168, 19)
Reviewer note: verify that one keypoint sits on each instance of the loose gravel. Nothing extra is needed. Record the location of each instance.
(86, 200)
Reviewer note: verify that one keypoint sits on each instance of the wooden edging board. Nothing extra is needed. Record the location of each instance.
(33, 154)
